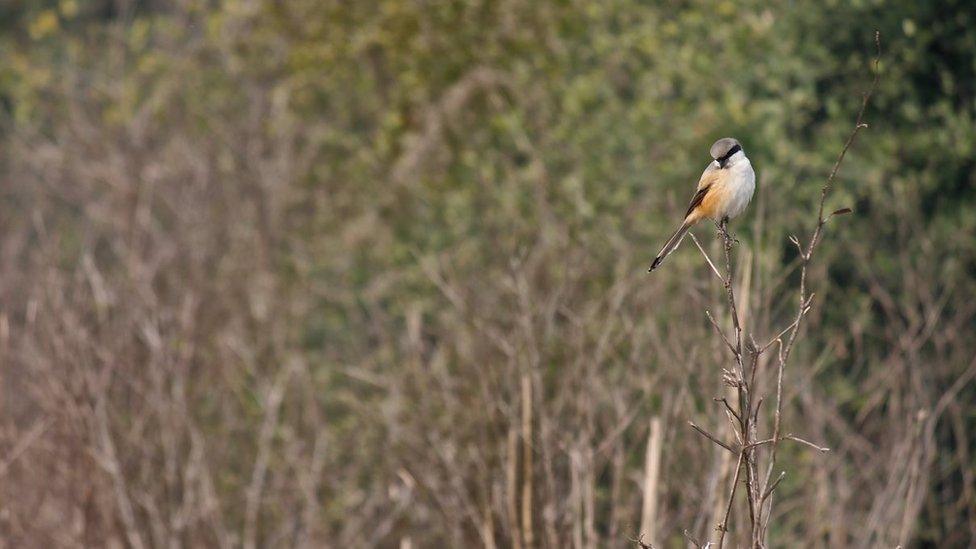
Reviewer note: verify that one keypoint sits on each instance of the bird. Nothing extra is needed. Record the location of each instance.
(723, 192)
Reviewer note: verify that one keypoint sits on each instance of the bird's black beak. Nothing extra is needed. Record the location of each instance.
(721, 162)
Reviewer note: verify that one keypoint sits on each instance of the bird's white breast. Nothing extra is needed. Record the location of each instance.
(741, 185)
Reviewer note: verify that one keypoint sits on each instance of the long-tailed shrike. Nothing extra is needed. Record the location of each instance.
(724, 190)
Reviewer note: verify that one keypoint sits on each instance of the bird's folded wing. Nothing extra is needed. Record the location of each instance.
(706, 183)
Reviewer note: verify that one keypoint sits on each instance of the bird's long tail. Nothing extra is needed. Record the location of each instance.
(671, 244)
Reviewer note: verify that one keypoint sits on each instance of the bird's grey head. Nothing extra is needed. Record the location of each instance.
(725, 151)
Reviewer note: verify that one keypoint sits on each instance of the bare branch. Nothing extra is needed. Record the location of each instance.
(792, 325)
(769, 491)
(711, 437)
(759, 443)
(724, 527)
(705, 255)
(694, 541)
(639, 540)
(720, 332)
(821, 449)
(728, 407)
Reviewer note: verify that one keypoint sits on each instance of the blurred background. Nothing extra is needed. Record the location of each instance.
(311, 273)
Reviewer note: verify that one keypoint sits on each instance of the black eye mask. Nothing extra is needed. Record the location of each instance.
(725, 158)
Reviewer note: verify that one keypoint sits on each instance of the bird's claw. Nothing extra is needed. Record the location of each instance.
(721, 229)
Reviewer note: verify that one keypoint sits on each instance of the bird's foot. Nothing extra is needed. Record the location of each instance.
(722, 229)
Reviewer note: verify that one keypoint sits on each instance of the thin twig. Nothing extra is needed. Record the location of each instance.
(728, 407)
(769, 491)
(759, 443)
(711, 437)
(723, 230)
(639, 540)
(724, 527)
(720, 332)
(796, 321)
(705, 255)
(692, 539)
(821, 449)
